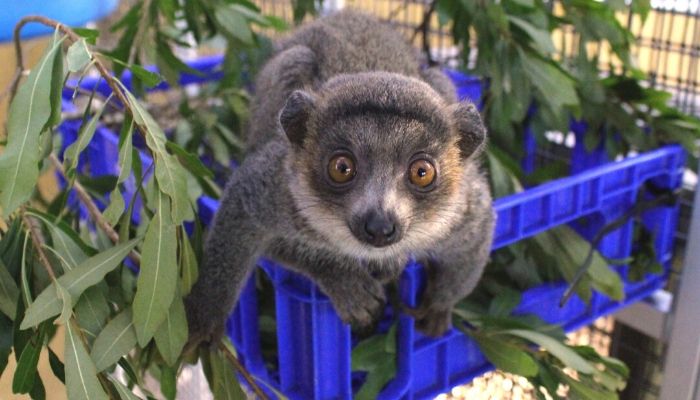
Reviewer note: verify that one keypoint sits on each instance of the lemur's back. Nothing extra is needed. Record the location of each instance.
(347, 42)
(352, 41)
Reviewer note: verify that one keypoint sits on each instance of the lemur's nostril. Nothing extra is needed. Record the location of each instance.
(380, 229)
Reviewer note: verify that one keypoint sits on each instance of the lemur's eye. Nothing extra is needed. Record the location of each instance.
(341, 169)
(421, 173)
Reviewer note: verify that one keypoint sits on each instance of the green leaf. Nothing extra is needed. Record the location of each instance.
(124, 392)
(57, 366)
(78, 55)
(188, 263)
(28, 114)
(72, 153)
(505, 302)
(25, 374)
(541, 38)
(66, 242)
(91, 310)
(9, 292)
(159, 273)
(90, 35)
(57, 83)
(171, 335)
(88, 273)
(168, 384)
(556, 87)
(226, 385)
(115, 340)
(116, 207)
(114, 211)
(194, 164)
(579, 391)
(561, 351)
(169, 173)
(65, 298)
(150, 79)
(81, 379)
(233, 23)
(506, 356)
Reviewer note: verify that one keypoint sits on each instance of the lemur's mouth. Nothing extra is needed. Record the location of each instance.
(376, 228)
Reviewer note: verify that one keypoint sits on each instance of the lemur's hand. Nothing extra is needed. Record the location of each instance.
(358, 300)
(432, 319)
(202, 329)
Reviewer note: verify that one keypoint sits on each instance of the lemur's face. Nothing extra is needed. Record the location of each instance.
(373, 176)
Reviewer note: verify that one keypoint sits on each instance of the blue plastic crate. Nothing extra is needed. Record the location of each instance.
(68, 12)
(314, 345)
(314, 360)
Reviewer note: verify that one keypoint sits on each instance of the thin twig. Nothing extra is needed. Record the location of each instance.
(94, 212)
(37, 243)
(74, 37)
(49, 270)
(244, 373)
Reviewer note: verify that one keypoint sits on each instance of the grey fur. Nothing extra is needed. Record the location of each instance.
(348, 84)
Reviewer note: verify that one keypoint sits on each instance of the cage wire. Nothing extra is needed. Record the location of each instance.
(668, 51)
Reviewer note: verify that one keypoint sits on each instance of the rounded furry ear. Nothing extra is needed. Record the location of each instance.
(295, 115)
(470, 127)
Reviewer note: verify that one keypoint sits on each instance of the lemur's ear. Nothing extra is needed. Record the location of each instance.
(295, 116)
(470, 127)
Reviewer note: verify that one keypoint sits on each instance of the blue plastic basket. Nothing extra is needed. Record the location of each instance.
(68, 12)
(315, 346)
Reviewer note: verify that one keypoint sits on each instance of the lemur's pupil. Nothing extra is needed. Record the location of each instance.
(421, 172)
(343, 168)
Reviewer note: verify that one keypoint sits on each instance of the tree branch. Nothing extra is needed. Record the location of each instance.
(250, 379)
(36, 242)
(111, 81)
(94, 212)
(49, 269)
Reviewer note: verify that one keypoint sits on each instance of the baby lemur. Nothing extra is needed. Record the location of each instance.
(358, 159)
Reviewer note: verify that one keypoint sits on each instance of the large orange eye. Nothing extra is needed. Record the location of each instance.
(341, 169)
(421, 173)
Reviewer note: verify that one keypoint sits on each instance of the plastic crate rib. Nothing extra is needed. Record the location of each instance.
(314, 344)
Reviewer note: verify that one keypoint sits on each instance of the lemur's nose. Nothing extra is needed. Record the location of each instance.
(380, 229)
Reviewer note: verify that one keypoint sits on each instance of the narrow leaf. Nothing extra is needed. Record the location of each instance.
(9, 292)
(88, 273)
(124, 392)
(226, 385)
(171, 335)
(90, 35)
(114, 211)
(26, 372)
(558, 349)
(78, 55)
(57, 366)
(506, 356)
(233, 23)
(169, 173)
(65, 241)
(81, 379)
(85, 135)
(194, 164)
(29, 112)
(188, 263)
(115, 340)
(91, 310)
(67, 309)
(168, 383)
(158, 276)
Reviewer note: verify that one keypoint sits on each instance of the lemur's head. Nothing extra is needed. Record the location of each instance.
(378, 161)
